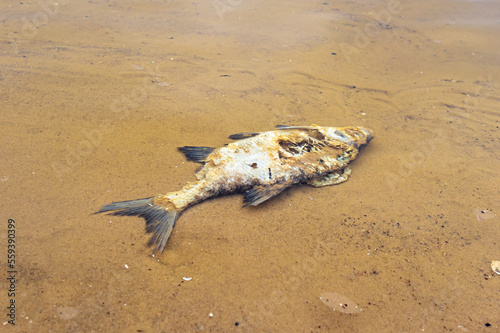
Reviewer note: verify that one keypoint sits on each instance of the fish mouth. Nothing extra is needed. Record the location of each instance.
(355, 136)
(368, 134)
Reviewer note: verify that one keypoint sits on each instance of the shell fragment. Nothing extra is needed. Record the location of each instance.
(495, 266)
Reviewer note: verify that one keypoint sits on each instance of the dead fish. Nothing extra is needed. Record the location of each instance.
(261, 165)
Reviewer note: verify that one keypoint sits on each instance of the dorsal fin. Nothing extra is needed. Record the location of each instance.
(284, 127)
(196, 154)
(239, 136)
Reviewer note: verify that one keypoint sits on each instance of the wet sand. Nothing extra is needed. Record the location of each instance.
(97, 95)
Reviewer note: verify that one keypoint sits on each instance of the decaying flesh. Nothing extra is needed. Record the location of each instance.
(261, 165)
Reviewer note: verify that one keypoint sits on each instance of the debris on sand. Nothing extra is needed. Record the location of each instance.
(340, 303)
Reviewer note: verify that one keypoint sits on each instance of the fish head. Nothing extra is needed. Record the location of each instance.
(355, 136)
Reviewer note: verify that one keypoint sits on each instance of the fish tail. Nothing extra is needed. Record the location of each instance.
(160, 219)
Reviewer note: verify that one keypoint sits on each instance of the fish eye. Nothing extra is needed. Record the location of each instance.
(339, 133)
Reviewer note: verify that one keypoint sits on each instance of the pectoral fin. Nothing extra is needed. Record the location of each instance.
(260, 193)
(331, 178)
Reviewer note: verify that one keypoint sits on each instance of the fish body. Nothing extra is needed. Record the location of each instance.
(261, 165)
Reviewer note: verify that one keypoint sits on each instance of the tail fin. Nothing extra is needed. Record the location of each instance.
(159, 220)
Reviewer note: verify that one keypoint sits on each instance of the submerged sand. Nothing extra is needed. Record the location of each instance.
(97, 95)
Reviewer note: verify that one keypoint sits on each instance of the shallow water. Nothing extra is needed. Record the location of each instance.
(97, 96)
